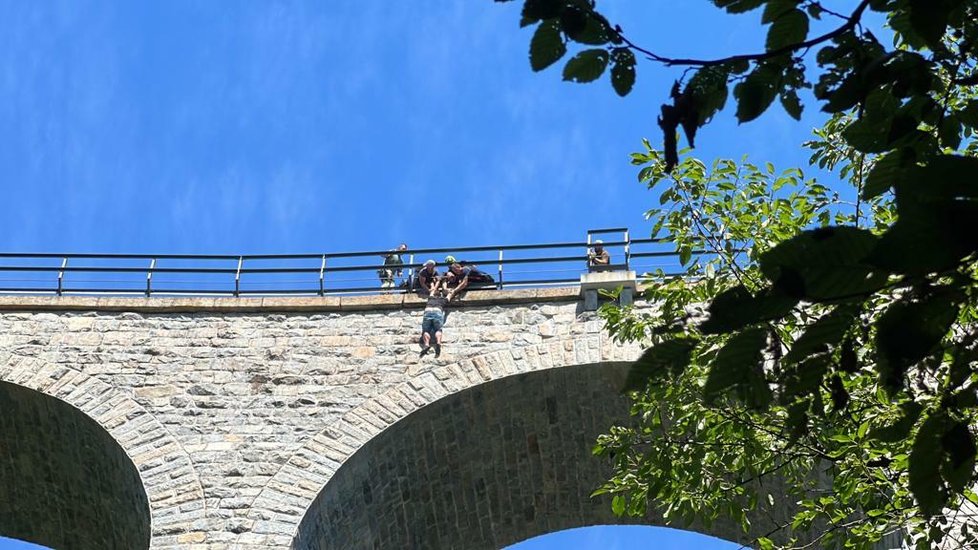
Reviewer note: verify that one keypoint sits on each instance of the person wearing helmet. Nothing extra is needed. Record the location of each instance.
(457, 278)
(598, 256)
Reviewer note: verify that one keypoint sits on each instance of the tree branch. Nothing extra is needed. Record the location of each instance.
(850, 24)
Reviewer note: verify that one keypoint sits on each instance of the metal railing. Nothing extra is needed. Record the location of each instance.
(523, 265)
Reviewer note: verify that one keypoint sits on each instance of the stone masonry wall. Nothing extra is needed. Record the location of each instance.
(237, 411)
(480, 469)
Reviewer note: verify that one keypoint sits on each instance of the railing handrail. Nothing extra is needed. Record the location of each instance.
(239, 268)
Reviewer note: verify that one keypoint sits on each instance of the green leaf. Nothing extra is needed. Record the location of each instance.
(738, 6)
(537, 10)
(943, 177)
(900, 429)
(842, 97)
(791, 27)
(929, 19)
(910, 329)
(838, 393)
(776, 8)
(925, 466)
(756, 92)
(736, 308)
(707, 92)
(824, 264)
(791, 103)
(623, 70)
(959, 449)
(618, 504)
(889, 171)
(584, 25)
(865, 135)
(663, 359)
(804, 378)
(908, 246)
(586, 66)
(738, 366)
(969, 114)
(950, 132)
(826, 332)
(547, 46)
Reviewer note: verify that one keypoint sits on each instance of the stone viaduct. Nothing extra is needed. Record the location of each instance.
(304, 423)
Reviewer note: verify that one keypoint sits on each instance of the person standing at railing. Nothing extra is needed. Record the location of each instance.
(392, 267)
(433, 321)
(598, 257)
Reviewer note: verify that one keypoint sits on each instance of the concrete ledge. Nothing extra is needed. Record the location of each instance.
(608, 280)
(278, 303)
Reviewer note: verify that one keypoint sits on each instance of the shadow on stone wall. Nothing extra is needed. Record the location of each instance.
(490, 466)
(483, 468)
(65, 482)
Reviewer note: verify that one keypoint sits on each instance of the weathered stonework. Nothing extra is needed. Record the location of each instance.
(482, 468)
(239, 413)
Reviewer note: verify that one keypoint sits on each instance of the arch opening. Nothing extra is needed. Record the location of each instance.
(602, 537)
(486, 467)
(67, 483)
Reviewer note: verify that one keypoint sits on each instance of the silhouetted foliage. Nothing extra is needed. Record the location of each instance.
(839, 337)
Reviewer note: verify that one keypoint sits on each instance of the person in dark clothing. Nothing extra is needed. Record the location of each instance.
(457, 279)
(461, 275)
(428, 277)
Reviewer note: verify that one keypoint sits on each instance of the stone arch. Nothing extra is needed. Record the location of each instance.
(167, 474)
(482, 468)
(492, 464)
(284, 500)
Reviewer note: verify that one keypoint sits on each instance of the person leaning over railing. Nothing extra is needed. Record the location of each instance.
(459, 277)
(428, 277)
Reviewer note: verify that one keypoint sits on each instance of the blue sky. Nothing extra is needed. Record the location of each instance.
(307, 126)
(304, 126)
(624, 537)
(602, 537)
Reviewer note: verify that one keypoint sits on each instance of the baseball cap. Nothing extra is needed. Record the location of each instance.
(429, 262)
(450, 260)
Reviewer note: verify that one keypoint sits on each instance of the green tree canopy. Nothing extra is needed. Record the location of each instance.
(837, 338)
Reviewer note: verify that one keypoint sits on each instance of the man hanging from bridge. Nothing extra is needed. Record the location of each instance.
(432, 322)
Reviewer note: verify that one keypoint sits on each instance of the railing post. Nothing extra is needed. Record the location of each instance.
(237, 277)
(149, 277)
(61, 275)
(628, 244)
(410, 276)
(499, 283)
(322, 276)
